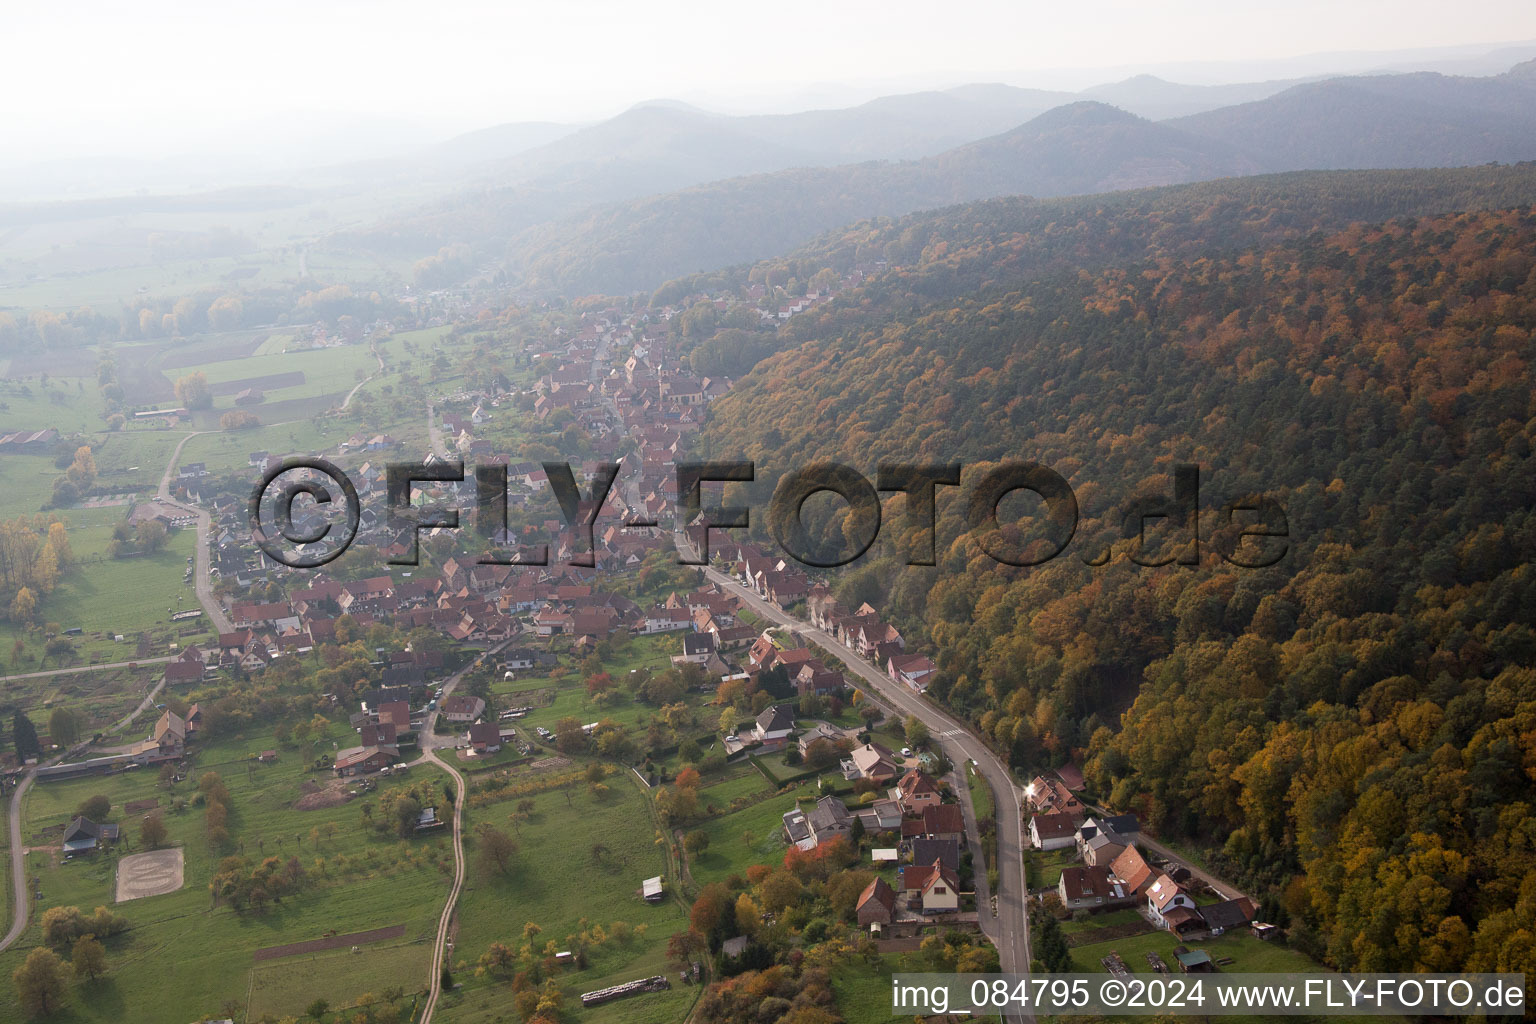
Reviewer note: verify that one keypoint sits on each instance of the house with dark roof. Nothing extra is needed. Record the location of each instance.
(484, 737)
(774, 726)
(797, 829)
(819, 731)
(829, 820)
(1051, 831)
(463, 708)
(183, 673)
(1229, 914)
(359, 760)
(85, 836)
(1102, 849)
(943, 822)
(1091, 888)
(945, 851)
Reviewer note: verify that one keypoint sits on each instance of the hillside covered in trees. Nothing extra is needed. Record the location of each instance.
(1352, 729)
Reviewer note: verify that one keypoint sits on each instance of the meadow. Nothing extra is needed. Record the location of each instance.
(1248, 953)
(739, 839)
(102, 698)
(579, 864)
(184, 958)
(863, 991)
(107, 597)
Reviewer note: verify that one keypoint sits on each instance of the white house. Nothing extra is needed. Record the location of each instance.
(774, 725)
(1164, 897)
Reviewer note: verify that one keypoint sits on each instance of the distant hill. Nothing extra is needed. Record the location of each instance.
(908, 126)
(667, 189)
(499, 142)
(1415, 120)
(1086, 147)
(1160, 99)
(1081, 147)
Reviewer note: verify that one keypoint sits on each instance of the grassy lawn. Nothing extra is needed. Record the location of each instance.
(1248, 953)
(1072, 926)
(92, 596)
(183, 958)
(740, 780)
(325, 371)
(981, 794)
(864, 992)
(1045, 867)
(286, 987)
(102, 697)
(230, 452)
(134, 455)
(739, 839)
(26, 484)
(63, 404)
(557, 883)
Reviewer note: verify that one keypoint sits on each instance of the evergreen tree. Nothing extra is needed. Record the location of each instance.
(25, 737)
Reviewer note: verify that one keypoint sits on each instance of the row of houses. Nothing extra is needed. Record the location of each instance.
(1114, 873)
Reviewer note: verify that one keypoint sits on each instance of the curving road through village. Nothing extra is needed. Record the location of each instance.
(1010, 926)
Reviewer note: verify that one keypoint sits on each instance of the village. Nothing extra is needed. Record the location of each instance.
(749, 740)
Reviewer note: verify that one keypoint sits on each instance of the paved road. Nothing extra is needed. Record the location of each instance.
(434, 434)
(18, 865)
(959, 744)
(18, 857)
(205, 596)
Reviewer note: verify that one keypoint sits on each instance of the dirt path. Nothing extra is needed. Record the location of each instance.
(359, 386)
(429, 744)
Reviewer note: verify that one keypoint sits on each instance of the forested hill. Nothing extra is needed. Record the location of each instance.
(1354, 729)
(1080, 147)
(1381, 121)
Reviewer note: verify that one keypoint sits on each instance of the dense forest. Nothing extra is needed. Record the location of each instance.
(1353, 729)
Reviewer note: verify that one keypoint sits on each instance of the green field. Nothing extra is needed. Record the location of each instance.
(184, 959)
(67, 403)
(102, 697)
(286, 987)
(863, 992)
(26, 484)
(1092, 922)
(1045, 867)
(1248, 953)
(114, 596)
(739, 839)
(738, 781)
(560, 882)
(229, 452)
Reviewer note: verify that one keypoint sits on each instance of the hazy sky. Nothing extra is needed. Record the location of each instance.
(162, 77)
